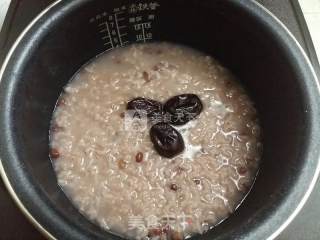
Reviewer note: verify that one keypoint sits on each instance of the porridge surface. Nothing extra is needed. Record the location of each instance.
(111, 171)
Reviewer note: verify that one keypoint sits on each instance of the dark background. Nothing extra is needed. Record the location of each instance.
(14, 226)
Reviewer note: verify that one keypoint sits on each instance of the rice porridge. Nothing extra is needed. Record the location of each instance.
(107, 161)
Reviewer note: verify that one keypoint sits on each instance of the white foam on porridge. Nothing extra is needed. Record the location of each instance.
(221, 109)
(94, 155)
(190, 149)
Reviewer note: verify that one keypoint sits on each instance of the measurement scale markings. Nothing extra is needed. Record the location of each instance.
(107, 43)
(109, 35)
(102, 24)
(108, 49)
(143, 33)
(117, 26)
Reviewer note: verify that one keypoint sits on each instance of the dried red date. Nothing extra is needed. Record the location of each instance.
(167, 141)
(152, 108)
(183, 108)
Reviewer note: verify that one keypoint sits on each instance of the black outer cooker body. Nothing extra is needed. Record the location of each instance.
(239, 33)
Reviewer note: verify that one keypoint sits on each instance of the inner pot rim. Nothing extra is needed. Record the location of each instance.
(275, 26)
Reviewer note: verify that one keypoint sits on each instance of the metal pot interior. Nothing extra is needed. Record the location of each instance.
(237, 33)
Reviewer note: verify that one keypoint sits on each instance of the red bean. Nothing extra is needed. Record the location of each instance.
(139, 157)
(55, 128)
(54, 153)
(197, 181)
(61, 102)
(174, 187)
(154, 232)
(242, 170)
(122, 164)
(177, 236)
(146, 76)
(180, 170)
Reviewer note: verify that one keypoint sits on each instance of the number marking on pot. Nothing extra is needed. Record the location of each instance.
(125, 24)
(117, 20)
(108, 36)
(144, 27)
